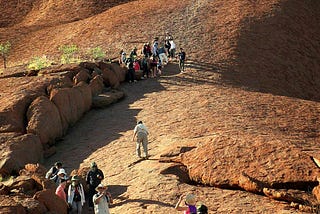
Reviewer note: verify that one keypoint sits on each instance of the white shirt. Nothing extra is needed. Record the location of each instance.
(173, 45)
(141, 128)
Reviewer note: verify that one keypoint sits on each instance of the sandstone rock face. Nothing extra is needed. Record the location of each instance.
(44, 120)
(109, 76)
(223, 162)
(107, 98)
(24, 184)
(16, 153)
(52, 202)
(70, 104)
(96, 85)
(31, 205)
(86, 94)
(120, 71)
(9, 206)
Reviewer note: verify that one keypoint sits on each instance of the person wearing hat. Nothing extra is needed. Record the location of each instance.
(141, 131)
(53, 171)
(76, 198)
(94, 178)
(61, 174)
(102, 199)
(60, 189)
(190, 203)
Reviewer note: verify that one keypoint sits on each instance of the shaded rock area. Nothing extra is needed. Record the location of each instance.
(24, 192)
(36, 111)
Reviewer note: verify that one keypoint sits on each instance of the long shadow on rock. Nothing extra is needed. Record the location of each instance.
(278, 53)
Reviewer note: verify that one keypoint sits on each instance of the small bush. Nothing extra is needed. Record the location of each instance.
(4, 52)
(37, 63)
(68, 54)
(96, 53)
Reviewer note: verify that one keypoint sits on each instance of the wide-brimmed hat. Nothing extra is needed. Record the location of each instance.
(61, 171)
(101, 186)
(190, 199)
(75, 178)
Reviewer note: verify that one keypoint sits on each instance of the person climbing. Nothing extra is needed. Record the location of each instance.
(182, 58)
(60, 191)
(153, 66)
(133, 54)
(155, 48)
(190, 202)
(123, 57)
(102, 199)
(141, 131)
(163, 55)
(145, 67)
(93, 179)
(52, 172)
(76, 198)
(61, 174)
(131, 73)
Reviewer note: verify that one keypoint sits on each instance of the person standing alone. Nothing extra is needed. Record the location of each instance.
(182, 58)
(141, 131)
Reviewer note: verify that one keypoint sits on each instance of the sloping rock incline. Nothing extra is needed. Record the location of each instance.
(222, 162)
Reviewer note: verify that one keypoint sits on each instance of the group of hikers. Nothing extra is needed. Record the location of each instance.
(98, 197)
(152, 58)
(151, 63)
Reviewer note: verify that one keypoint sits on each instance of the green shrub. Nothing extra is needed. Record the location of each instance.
(4, 52)
(96, 53)
(37, 63)
(68, 54)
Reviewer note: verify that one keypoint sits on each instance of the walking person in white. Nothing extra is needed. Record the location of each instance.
(141, 131)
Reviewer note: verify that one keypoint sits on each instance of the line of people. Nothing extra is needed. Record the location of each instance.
(153, 58)
(98, 197)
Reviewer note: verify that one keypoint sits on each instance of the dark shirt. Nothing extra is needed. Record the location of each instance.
(92, 177)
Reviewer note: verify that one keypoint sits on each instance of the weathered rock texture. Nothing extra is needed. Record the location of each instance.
(44, 120)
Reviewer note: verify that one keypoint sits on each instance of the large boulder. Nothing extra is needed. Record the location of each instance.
(53, 203)
(96, 85)
(109, 76)
(24, 184)
(9, 206)
(86, 93)
(44, 120)
(70, 104)
(82, 76)
(250, 163)
(18, 151)
(120, 71)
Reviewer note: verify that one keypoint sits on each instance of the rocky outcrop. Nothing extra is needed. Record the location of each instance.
(16, 153)
(30, 204)
(44, 120)
(96, 85)
(52, 202)
(8, 206)
(28, 109)
(109, 76)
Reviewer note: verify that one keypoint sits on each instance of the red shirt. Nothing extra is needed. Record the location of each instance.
(60, 192)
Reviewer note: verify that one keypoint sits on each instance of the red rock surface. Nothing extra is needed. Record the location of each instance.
(248, 100)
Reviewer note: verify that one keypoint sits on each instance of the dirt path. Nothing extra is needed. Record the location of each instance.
(105, 136)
